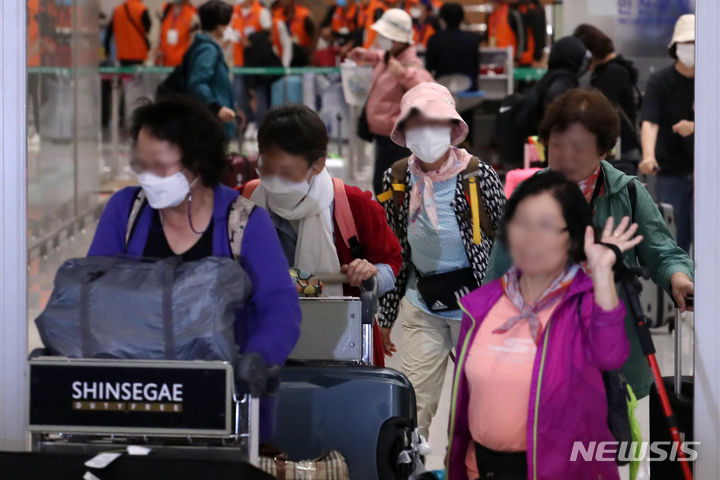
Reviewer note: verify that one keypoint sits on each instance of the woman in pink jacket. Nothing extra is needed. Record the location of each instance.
(397, 69)
(528, 381)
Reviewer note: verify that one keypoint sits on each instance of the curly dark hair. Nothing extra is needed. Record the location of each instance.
(588, 107)
(575, 208)
(191, 126)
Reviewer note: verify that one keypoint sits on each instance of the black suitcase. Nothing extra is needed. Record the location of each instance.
(366, 413)
(681, 397)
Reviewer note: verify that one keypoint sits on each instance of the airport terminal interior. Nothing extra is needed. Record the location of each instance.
(337, 390)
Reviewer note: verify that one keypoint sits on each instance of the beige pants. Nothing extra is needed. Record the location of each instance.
(427, 342)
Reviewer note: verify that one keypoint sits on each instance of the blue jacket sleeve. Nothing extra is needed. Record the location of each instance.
(272, 318)
(201, 73)
(109, 239)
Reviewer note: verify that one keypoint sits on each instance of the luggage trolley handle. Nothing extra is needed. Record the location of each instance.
(678, 347)
(369, 297)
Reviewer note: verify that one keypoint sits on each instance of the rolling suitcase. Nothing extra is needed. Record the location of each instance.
(288, 89)
(680, 393)
(368, 414)
(240, 170)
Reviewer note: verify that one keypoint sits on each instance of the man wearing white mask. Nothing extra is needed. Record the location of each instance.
(444, 205)
(323, 225)
(668, 128)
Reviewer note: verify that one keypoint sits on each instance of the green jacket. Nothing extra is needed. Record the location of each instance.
(208, 77)
(658, 252)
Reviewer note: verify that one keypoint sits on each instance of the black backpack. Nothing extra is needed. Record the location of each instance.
(519, 117)
(176, 82)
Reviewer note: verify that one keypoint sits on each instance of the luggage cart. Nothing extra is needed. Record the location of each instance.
(338, 329)
(178, 409)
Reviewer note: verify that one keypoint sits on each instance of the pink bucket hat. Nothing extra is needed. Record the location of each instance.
(433, 101)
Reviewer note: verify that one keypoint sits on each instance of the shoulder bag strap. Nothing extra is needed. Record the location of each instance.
(238, 216)
(344, 219)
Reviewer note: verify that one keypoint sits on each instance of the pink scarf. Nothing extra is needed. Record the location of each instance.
(511, 285)
(423, 193)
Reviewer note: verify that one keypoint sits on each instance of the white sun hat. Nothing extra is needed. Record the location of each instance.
(396, 25)
(684, 30)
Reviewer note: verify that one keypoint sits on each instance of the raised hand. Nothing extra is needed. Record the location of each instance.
(601, 257)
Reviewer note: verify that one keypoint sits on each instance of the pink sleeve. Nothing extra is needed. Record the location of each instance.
(365, 55)
(606, 342)
(413, 76)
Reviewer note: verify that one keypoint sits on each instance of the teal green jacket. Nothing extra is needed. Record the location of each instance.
(208, 77)
(658, 252)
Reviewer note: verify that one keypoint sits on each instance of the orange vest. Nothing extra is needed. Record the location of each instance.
(370, 34)
(297, 26)
(499, 28)
(275, 38)
(527, 56)
(130, 42)
(422, 33)
(33, 33)
(245, 26)
(500, 32)
(173, 54)
(345, 19)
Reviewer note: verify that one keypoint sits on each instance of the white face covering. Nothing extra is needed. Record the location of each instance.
(164, 192)
(686, 53)
(284, 193)
(383, 43)
(415, 12)
(428, 144)
(230, 35)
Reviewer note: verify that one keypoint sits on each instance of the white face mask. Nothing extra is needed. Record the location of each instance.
(164, 192)
(416, 12)
(285, 193)
(686, 53)
(428, 144)
(230, 35)
(383, 43)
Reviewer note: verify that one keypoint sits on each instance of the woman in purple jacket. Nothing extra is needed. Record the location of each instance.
(532, 345)
(178, 155)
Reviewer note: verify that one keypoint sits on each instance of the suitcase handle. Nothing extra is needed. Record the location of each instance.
(690, 300)
(369, 294)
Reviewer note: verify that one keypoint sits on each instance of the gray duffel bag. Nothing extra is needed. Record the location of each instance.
(106, 307)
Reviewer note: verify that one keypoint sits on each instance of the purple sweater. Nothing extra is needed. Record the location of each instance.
(270, 323)
(567, 394)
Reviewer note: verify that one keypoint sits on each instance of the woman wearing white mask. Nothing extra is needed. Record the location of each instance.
(181, 209)
(397, 69)
(446, 227)
(311, 210)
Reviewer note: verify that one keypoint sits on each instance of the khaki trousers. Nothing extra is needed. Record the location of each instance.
(427, 342)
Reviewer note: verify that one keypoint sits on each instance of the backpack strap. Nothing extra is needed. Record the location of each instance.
(139, 201)
(632, 193)
(249, 188)
(344, 219)
(398, 174)
(238, 216)
(480, 219)
(166, 11)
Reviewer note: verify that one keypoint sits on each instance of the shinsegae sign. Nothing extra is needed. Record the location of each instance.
(126, 396)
